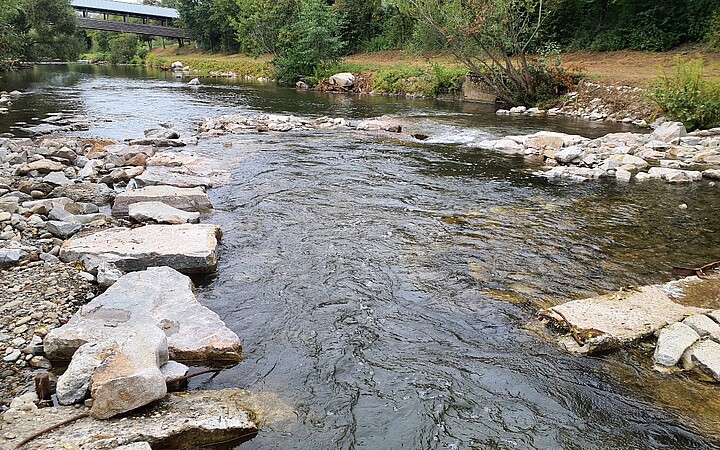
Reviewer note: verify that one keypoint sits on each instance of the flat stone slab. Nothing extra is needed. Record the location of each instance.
(159, 296)
(186, 199)
(173, 176)
(706, 356)
(180, 421)
(613, 320)
(188, 248)
(158, 212)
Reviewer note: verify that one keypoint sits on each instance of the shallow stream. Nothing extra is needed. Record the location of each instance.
(381, 288)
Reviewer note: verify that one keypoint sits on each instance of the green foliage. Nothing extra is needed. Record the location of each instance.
(358, 22)
(208, 21)
(312, 41)
(38, 29)
(101, 40)
(686, 96)
(712, 37)
(263, 26)
(651, 25)
(123, 48)
(400, 80)
(550, 77)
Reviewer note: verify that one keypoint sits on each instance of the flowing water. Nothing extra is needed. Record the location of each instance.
(382, 288)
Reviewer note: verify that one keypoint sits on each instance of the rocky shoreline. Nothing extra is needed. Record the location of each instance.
(95, 239)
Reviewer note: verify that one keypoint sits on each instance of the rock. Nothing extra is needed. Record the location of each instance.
(194, 82)
(669, 132)
(302, 85)
(343, 80)
(159, 212)
(155, 133)
(130, 375)
(613, 320)
(183, 421)
(56, 179)
(550, 139)
(12, 356)
(174, 373)
(712, 174)
(176, 65)
(379, 125)
(702, 324)
(172, 176)
(42, 166)
(706, 356)
(135, 446)
(675, 175)
(73, 385)
(98, 194)
(108, 274)
(130, 151)
(623, 175)
(160, 297)
(9, 204)
(673, 341)
(568, 154)
(63, 230)
(634, 162)
(189, 248)
(186, 199)
(10, 256)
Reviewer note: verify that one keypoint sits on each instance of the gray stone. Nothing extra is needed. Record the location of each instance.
(63, 230)
(108, 274)
(9, 204)
(135, 446)
(10, 256)
(130, 151)
(613, 320)
(706, 356)
(343, 80)
(189, 248)
(623, 175)
(73, 385)
(130, 376)
(161, 213)
(172, 176)
(669, 132)
(56, 178)
(568, 154)
(675, 175)
(712, 174)
(41, 166)
(184, 421)
(186, 199)
(672, 342)
(174, 373)
(159, 297)
(702, 324)
(98, 194)
(12, 356)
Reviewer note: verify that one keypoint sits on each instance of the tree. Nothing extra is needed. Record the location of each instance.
(123, 47)
(491, 37)
(262, 26)
(312, 40)
(208, 21)
(38, 29)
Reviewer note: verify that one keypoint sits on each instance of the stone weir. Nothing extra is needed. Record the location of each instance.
(125, 345)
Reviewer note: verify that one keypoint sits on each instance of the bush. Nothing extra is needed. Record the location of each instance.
(686, 96)
(712, 37)
(123, 48)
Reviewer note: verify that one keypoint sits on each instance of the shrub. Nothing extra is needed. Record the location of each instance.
(712, 37)
(123, 48)
(685, 96)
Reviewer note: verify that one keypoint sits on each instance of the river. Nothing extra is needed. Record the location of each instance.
(382, 289)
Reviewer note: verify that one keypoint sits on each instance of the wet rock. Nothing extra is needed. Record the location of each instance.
(706, 356)
(99, 194)
(158, 142)
(174, 373)
(189, 248)
(613, 320)
(158, 212)
(183, 421)
(342, 80)
(130, 376)
(130, 151)
(675, 175)
(702, 324)
(186, 199)
(623, 175)
(158, 297)
(161, 133)
(672, 342)
(74, 384)
(379, 125)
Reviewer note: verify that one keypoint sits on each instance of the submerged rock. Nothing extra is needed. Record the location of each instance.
(186, 199)
(613, 320)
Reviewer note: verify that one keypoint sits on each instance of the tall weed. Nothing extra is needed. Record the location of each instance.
(686, 96)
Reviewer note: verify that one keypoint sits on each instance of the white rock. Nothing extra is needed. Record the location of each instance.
(623, 175)
(160, 213)
(702, 324)
(669, 132)
(344, 80)
(706, 356)
(672, 343)
(73, 384)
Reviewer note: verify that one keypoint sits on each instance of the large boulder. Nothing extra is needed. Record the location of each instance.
(668, 132)
(344, 80)
(186, 199)
(173, 176)
(158, 297)
(130, 376)
(189, 248)
(613, 320)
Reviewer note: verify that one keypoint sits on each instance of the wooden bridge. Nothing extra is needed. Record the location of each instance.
(110, 15)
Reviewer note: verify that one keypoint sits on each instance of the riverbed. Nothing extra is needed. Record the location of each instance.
(382, 287)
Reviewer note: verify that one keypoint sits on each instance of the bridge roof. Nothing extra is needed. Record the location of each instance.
(125, 8)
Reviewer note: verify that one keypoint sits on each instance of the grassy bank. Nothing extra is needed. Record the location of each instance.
(394, 73)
